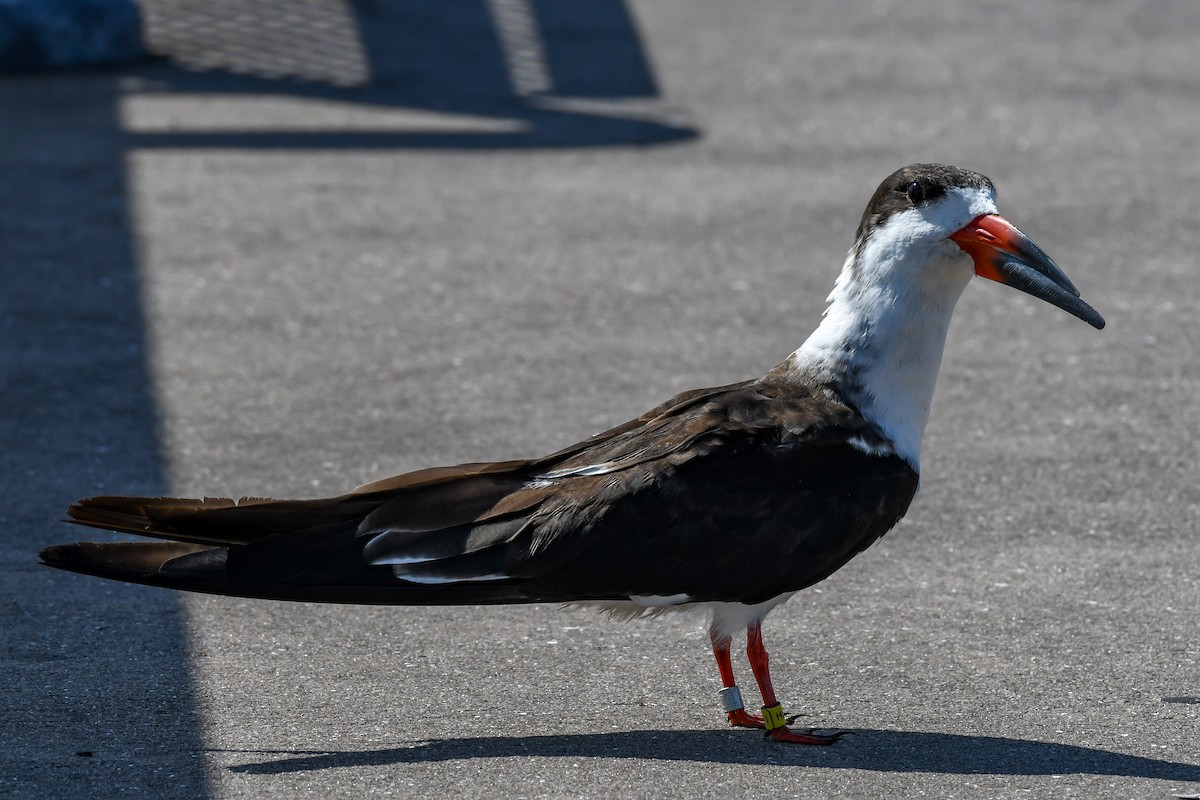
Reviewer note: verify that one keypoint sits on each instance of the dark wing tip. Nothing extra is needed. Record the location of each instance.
(128, 561)
(61, 555)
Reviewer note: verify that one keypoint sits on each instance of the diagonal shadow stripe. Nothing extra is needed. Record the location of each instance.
(561, 75)
(876, 750)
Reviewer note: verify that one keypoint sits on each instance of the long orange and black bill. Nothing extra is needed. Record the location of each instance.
(1004, 254)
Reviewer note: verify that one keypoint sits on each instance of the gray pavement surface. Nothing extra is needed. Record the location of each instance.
(322, 245)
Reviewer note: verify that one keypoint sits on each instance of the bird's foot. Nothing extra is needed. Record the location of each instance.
(735, 710)
(741, 718)
(807, 736)
(777, 728)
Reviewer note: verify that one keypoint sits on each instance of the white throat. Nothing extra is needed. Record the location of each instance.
(881, 339)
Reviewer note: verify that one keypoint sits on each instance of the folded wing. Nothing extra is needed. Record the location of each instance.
(736, 493)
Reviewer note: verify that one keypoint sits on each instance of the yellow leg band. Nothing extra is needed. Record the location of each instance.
(773, 717)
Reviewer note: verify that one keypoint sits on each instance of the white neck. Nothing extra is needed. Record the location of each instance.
(881, 339)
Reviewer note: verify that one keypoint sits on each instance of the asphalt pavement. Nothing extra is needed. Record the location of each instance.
(311, 245)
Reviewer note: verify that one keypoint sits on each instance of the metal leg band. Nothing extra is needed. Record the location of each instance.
(773, 717)
(731, 699)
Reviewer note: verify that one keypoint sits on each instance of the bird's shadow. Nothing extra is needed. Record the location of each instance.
(876, 750)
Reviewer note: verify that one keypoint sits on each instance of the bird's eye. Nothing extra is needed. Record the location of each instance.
(915, 192)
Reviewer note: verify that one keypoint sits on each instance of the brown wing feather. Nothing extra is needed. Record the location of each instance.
(758, 472)
(674, 501)
(428, 499)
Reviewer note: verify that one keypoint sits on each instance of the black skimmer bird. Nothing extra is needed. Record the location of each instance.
(793, 473)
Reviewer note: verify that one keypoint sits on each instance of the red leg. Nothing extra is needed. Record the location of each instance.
(738, 717)
(759, 665)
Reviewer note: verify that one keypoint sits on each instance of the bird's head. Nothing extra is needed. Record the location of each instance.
(939, 213)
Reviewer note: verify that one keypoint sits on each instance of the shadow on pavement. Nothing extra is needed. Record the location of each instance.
(93, 668)
(104, 700)
(878, 750)
(473, 74)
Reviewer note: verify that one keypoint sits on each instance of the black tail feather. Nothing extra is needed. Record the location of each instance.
(137, 562)
(216, 521)
(197, 568)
